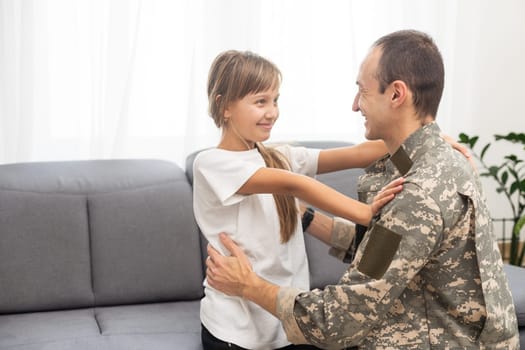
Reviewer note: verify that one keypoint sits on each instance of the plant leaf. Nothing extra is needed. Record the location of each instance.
(519, 225)
(463, 138)
(513, 173)
(484, 150)
(504, 177)
(493, 171)
(473, 140)
(470, 141)
(512, 137)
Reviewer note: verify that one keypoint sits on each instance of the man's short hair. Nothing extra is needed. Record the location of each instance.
(413, 57)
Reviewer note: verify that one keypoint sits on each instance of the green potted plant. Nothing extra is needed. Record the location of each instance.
(510, 178)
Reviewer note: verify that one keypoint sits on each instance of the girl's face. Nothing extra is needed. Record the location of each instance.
(250, 120)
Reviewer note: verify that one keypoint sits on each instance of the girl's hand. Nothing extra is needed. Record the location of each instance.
(460, 148)
(386, 194)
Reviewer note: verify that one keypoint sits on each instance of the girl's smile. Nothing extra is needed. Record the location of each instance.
(250, 119)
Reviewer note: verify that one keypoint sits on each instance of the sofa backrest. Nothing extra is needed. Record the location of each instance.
(324, 269)
(86, 233)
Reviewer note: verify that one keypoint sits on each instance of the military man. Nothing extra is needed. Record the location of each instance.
(428, 273)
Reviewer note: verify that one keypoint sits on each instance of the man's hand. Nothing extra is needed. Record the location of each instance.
(228, 273)
(386, 194)
(233, 275)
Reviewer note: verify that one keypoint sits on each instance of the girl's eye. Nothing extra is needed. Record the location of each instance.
(260, 102)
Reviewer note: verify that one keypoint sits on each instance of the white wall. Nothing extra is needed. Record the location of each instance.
(491, 56)
(84, 79)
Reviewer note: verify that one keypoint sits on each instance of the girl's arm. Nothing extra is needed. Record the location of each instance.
(357, 156)
(322, 225)
(364, 154)
(278, 181)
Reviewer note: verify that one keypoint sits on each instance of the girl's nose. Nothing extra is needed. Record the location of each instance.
(273, 112)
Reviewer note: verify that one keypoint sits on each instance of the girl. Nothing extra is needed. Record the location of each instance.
(233, 187)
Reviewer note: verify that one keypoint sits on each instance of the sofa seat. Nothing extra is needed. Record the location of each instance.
(155, 326)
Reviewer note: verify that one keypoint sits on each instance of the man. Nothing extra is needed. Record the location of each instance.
(428, 273)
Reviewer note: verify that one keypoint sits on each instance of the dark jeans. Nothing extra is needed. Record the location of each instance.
(209, 342)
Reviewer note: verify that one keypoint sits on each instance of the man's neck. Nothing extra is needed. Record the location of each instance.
(402, 131)
(399, 138)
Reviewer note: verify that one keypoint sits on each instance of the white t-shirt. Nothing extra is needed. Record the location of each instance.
(253, 223)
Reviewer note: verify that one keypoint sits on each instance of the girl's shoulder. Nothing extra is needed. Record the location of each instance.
(220, 160)
(214, 154)
(297, 155)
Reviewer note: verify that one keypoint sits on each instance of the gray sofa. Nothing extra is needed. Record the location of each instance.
(106, 255)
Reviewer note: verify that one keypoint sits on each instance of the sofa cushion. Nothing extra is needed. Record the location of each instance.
(150, 341)
(21, 331)
(176, 317)
(86, 176)
(154, 326)
(516, 277)
(145, 245)
(134, 217)
(44, 252)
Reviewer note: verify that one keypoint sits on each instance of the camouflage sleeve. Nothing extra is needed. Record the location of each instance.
(342, 315)
(284, 310)
(343, 233)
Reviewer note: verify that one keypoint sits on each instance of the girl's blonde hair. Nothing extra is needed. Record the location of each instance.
(233, 75)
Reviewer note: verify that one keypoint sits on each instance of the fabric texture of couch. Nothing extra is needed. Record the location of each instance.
(106, 254)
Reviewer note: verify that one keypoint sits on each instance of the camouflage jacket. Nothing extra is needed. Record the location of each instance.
(428, 274)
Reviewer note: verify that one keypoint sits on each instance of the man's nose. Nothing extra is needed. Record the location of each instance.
(355, 105)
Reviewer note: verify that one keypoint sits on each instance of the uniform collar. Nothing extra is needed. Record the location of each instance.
(412, 147)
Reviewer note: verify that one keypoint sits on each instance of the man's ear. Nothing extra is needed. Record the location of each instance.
(399, 92)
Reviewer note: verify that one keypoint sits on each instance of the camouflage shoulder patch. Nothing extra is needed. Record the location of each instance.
(402, 161)
(379, 251)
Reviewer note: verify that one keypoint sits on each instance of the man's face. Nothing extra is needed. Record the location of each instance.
(373, 105)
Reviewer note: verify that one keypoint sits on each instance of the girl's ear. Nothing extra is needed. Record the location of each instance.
(399, 91)
(218, 100)
(226, 114)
